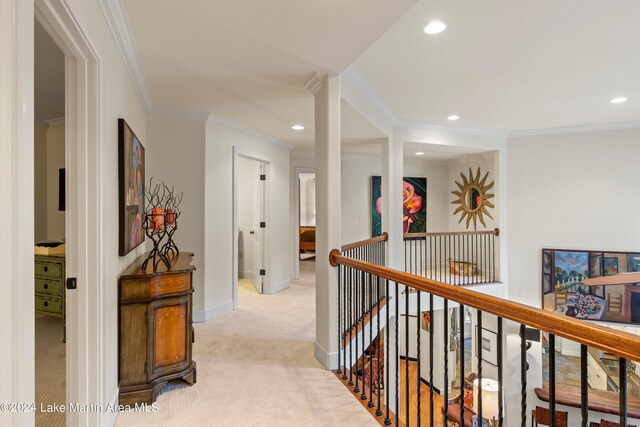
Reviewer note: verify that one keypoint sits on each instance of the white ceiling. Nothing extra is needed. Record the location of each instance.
(248, 60)
(506, 65)
(48, 77)
(511, 65)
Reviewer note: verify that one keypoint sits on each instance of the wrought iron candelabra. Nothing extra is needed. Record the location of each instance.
(160, 221)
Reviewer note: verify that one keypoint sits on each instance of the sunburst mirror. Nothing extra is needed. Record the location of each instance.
(473, 198)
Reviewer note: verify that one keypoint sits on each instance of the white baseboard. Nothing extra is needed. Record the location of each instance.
(213, 312)
(109, 417)
(280, 287)
(328, 360)
(246, 274)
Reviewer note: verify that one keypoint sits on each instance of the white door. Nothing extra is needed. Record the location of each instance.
(259, 227)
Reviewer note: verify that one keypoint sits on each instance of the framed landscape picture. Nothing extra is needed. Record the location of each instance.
(131, 168)
(567, 291)
(414, 205)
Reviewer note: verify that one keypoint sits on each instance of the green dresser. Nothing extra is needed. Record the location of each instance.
(49, 286)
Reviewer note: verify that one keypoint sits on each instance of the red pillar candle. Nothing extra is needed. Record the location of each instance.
(170, 216)
(157, 218)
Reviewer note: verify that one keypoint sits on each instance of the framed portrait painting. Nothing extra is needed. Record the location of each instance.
(131, 168)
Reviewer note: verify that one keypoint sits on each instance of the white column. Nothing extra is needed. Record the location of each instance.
(392, 172)
(16, 193)
(328, 217)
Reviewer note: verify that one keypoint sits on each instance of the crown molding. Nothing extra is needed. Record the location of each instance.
(116, 17)
(368, 91)
(55, 122)
(235, 126)
(575, 129)
(411, 124)
(179, 114)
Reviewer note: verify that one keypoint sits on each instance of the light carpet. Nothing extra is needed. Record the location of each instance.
(256, 368)
(50, 370)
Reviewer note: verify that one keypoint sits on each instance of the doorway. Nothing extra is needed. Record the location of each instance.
(304, 217)
(251, 222)
(49, 228)
(250, 256)
(83, 301)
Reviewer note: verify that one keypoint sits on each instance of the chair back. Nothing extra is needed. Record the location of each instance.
(542, 416)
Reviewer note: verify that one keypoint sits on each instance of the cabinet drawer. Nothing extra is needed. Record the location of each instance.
(49, 305)
(45, 269)
(170, 283)
(49, 287)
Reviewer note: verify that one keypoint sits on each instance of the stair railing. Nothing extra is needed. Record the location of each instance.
(458, 258)
(365, 285)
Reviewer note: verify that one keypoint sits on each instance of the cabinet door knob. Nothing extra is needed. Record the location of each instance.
(46, 286)
(46, 268)
(46, 303)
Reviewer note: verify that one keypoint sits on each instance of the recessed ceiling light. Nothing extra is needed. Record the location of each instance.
(297, 127)
(435, 27)
(419, 153)
(619, 100)
(453, 117)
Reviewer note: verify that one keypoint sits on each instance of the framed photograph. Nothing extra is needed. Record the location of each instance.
(131, 168)
(546, 262)
(414, 205)
(595, 264)
(489, 346)
(610, 266)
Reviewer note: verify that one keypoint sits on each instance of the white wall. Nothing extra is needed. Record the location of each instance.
(175, 152)
(247, 173)
(486, 163)
(307, 200)
(40, 181)
(49, 145)
(574, 191)
(55, 162)
(356, 194)
(118, 99)
(219, 215)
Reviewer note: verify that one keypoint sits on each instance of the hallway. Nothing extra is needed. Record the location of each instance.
(256, 367)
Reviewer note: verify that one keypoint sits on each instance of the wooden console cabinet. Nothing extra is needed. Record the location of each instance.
(155, 329)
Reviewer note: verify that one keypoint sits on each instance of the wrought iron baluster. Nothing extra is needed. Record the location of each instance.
(500, 374)
(552, 379)
(584, 386)
(523, 377)
(622, 391)
(461, 347)
(479, 349)
(387, 344)
(432, 325)
(445, 327)
(406, 353)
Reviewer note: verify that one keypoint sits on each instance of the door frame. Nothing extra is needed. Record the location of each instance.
(296, 216)
(267, 161)
(84, 219)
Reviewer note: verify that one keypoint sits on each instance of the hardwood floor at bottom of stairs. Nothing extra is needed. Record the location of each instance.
(438, 401)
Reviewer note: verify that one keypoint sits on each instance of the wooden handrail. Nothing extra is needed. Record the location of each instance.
(495, 232)
(381, 238)
(621, 344)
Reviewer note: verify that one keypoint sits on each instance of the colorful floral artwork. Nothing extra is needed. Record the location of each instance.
(131, 175)
(414, 205)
